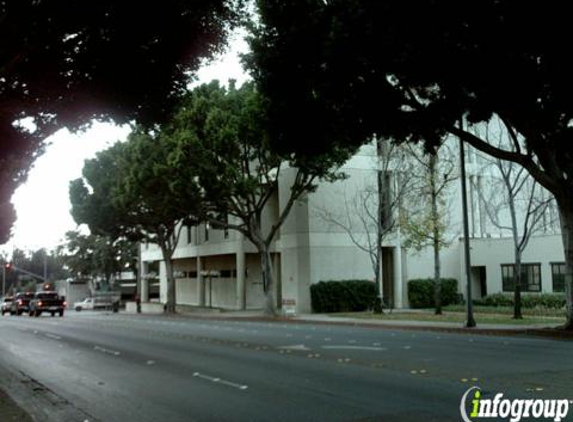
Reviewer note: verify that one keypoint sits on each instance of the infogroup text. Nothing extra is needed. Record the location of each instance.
(512, 409)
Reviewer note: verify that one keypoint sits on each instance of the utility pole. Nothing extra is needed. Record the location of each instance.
(470, 323)
(45, 266)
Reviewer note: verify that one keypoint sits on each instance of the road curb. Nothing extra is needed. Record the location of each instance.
(549, 332)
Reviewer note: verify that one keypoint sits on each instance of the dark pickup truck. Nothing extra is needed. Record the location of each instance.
(20, 303)
(47, 302)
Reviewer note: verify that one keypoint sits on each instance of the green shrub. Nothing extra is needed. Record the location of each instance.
(421, 292)
(543, 300)
(343, 296)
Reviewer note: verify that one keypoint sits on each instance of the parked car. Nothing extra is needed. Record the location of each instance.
(46, 301)
(6, 304)
(20, 303)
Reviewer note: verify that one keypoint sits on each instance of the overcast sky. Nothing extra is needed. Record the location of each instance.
(42, 204)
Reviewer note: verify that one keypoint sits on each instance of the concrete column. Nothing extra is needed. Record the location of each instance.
(200, 283)
(241, 294)
(144, 282)
(398, 282)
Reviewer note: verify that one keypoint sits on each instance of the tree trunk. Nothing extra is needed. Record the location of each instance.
(517, 286)
(517, 254)
(566, 214)
(437, 283)
(378, 302)
(171, 299)
(435, 235)
(268, 280)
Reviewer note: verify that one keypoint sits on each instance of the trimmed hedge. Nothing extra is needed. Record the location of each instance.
(343, 296)
(421, 292)
(543, 300)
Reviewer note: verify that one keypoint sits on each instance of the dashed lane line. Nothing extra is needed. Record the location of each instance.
(53, 336)
(220, 381)
(346, 347)
(107, 351)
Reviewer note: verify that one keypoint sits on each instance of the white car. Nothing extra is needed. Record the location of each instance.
(86, 304)
(6, 304)
(90, 303)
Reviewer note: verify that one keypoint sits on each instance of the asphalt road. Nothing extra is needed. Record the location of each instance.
(117, 367)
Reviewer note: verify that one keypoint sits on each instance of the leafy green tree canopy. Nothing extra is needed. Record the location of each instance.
(96, 255)
(90, 195)
(135, 191)
(222, 144)
(411, 69)
(65, 63)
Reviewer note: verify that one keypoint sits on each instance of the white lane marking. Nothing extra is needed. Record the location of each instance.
(220, 381)
(345, 347)
(294, 347)
(53, 336)
(108, 351)
(150, 362)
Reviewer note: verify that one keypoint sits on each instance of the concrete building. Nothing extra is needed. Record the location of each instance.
(217, 268)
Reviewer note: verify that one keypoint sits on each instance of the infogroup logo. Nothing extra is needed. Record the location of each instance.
(512, 409)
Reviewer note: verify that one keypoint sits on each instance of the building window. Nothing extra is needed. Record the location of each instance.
(530, 277)
(188, 234)
(558, 276)
(228, 274)
(206, 232)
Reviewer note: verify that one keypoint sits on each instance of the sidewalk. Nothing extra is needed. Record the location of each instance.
(10, 411)
(550, 330)
(543, 329)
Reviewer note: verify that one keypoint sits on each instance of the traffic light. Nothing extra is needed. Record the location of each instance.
(8, 266)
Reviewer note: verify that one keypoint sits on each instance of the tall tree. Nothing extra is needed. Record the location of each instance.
(426, 222)
(96, 256)
(373, 213)
(136, 192)
(522, 199)
(156, 200)
(64, 63)
(434, 63)
(223, 133)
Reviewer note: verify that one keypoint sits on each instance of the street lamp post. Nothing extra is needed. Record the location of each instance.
(470, 323)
